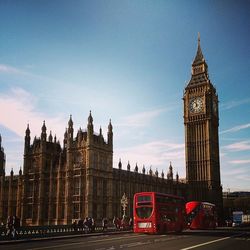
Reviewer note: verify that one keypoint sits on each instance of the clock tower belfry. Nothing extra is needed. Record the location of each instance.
(201, 121)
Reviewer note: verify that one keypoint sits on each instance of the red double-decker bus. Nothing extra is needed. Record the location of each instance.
(201, 215)
(158, 213)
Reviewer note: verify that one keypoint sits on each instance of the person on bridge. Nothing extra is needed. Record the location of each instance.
(16, 226)
(130, 223)
(11, 231)
(104, 224)
(74, 225)
(124, 222)
(116, 223)
(92, 225)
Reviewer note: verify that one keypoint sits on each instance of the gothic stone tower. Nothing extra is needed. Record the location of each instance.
(201, 120)
(63, 184)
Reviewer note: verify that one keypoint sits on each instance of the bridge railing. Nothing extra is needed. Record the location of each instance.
(26, 232)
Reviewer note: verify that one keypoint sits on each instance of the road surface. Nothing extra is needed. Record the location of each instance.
(200, 240)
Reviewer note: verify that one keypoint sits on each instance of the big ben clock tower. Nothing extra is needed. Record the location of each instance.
(201, 120)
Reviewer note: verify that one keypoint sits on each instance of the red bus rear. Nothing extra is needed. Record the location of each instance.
(156, 213)
(201, 215)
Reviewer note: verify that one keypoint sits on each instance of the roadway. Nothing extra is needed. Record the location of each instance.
(200, 240)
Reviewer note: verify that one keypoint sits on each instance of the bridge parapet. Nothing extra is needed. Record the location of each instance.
(26, 232)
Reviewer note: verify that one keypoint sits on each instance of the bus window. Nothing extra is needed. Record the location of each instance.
(144, 198)
(144, 212)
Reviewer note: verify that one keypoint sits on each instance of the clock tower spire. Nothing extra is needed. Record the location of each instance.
(201, 121)
(199, 67)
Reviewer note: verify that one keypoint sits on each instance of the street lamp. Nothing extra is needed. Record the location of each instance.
(124, 203)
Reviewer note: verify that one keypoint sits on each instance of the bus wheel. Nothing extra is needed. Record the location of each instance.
(165, 230)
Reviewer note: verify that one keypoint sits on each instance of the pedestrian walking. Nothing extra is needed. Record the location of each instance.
(74, 225)
(130, 223)
(93, 225)
(10, 226)
(115, 222)
(104, 224)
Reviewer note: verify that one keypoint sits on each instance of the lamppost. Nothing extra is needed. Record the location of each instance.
(124, 203)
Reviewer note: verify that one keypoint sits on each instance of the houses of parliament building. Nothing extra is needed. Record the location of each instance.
(59, 184)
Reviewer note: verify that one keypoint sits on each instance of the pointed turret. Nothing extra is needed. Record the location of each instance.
(136, 168)
(156, 173)
(162, 174)
(143, 169)
(27, 132)
(128, 166)
(150, 171)
(50, 136)
(90, 126)
(110, 133)
(120, 164)
(70, 130)
(170, 172)
(2, 159)
(110, 127)
(199, 58)
(43, 134)
(199, 67)
(20, 171)
(27, 140)
(90, 118)
(70, 122)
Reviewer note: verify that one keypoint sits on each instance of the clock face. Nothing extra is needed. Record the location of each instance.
(196, 105)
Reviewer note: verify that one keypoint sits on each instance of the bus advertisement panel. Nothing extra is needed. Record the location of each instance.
(156, 212)
(201, 215)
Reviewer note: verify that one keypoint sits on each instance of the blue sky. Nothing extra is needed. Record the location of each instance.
(128, 61)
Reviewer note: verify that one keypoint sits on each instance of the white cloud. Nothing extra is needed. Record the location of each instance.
(235, 179)
(244, 177)
(159, 154)
(140, 119)
(232, 104)
(235, 172)
(7, 69)
(236, 128)
(18, 107)
(238, 146)
(240, 162)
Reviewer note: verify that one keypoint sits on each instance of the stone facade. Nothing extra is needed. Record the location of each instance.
(60, 184)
